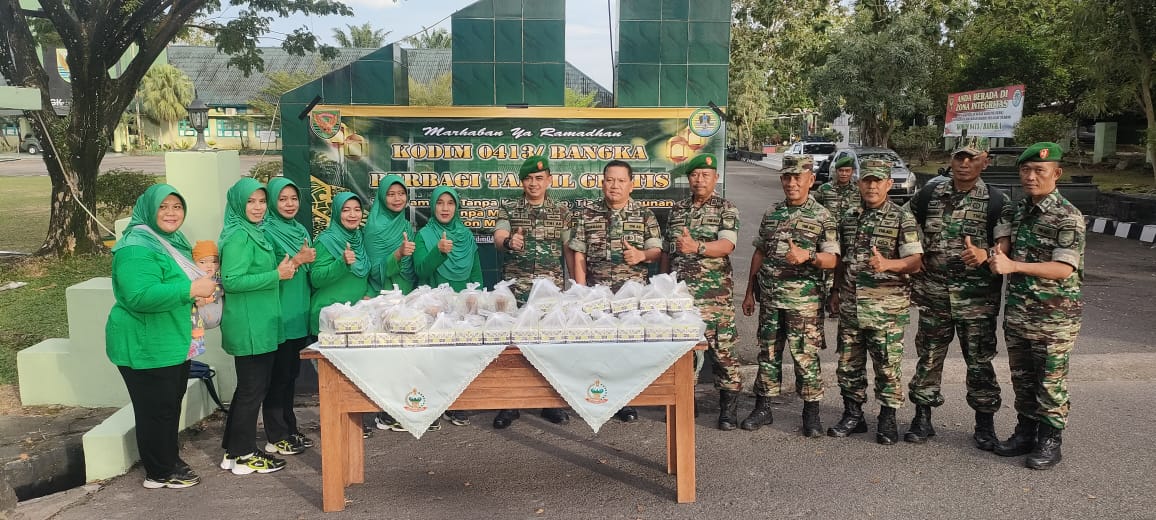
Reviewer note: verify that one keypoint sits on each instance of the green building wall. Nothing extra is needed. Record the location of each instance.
(509, 52)
(673, 53)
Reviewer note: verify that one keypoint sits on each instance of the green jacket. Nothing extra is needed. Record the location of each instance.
(426, 264)
(251, 322)
(333, 282)
(294, 294)
(149, 326)
(394, 276)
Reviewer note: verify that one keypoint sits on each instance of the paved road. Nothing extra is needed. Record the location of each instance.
(24, 165)
(538, 470)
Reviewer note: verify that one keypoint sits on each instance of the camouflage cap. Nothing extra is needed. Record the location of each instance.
(705, 160)
(844, 162)
(534, 164)
(875, 168)
(972, 146)
(1041, 152)
(797, 164)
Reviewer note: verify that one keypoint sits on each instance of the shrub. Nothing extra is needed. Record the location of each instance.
(1055, 128)
(917, 141)
(118, 189)
(265, 171)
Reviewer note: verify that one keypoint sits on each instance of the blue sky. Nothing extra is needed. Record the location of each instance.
(587, 27)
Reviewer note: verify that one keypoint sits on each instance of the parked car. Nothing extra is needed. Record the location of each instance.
(904, 180)
(30, 144)
(819, 151)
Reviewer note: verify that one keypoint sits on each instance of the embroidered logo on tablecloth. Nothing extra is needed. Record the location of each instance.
(596, 393)
(415, 401)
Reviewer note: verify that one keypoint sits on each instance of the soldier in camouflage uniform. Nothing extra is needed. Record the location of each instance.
(881, 246)
(796, 241)
(615, 239)
(1045, 267)
(840, 196)
(533, 231)
(701, 233)
(955, 292)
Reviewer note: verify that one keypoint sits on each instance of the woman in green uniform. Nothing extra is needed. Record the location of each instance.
(290, 238)
(251, 322)
(389, 238)
(148, 332)
(341, 272)
(445, 251)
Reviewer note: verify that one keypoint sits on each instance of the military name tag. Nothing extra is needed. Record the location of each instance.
(886, 232)
(809, 227)
(977, 216)
(884, 244)
(633, 226)
(711, 220)
(1046, 231)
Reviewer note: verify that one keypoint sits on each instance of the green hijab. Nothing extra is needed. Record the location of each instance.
(235, 219)
(335, 236)
(145, 212)
(383, 231)
(460, 262)
(287, 233)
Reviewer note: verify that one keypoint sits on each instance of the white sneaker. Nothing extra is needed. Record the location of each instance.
(257, 462)
(227, 462)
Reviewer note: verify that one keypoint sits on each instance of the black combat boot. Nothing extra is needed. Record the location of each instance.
(728, 410)
(556, 415)
(1022, 441)
(812, 426)
(1047, 451)
(984, 436)
(886, 433)
(852, 421)
(505, 418)
(760, 416)
(921, 427)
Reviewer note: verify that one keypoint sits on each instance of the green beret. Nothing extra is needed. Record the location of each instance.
(705, 160)
(534, 164)
(844, 162)
(875, 168)
(1041, 152)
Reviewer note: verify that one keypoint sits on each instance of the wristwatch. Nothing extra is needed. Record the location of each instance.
(701, 248)
(811, 258)
(506, 244)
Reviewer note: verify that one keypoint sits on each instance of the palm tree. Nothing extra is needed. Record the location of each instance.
(437, 39)
(360, 36)
(164, 93)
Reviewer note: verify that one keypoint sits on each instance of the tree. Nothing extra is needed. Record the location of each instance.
(436, 93)
(277, 83)
(362, 36)
(164, 93)
(98, 33)
(426, 39)
(573, 98)
(1120, 41)
(879, 71)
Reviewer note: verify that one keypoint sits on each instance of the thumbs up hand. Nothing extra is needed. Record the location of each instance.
(685, 243)
(518, 240)
(286, 269)
(797, 255)
(999, 263)
(445, 245)
(306, 255)
(407, 247)
(350, 256)
(972, 256)
(631, 254)
(877, 262)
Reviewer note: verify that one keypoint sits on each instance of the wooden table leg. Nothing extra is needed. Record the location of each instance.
(684, 428)
(333, 438)
(354, 449)
(671, 440)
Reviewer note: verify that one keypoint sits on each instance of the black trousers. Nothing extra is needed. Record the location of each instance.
(280, 421)
(156, 395)
(253, 376)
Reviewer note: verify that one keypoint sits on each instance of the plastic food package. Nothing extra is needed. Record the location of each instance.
(498, 329)
(596, 299)
(502, 298)
(552, 326)
(526, 326)
(687, 326)
(626, 299)
(578, 327)
(341, 318)
(443, 330)
(654, 296)
(407, 320)
(392, 297)
(468, 301)
(373, 310)
(543, 294)
(658, 326)
(630, 327)
(681, 300)
(468, 331)
(604, 327)
(329, 339)
(362, 339)
(389, 339)
(419, 339)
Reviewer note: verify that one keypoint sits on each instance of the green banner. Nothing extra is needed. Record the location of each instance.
(478, 151)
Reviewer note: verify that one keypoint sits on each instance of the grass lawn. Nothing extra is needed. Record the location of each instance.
(24, 207)
(37, 311)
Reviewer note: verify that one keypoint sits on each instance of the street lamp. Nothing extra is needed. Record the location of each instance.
(199, 119)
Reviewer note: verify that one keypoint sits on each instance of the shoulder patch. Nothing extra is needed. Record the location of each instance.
(1066, 237)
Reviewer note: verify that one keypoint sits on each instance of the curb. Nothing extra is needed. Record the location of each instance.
(1127, 230)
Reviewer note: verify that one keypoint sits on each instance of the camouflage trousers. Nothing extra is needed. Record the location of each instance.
(1039, 373)
(800, 335)
(885, 344)
(720, 339)
(978, 343)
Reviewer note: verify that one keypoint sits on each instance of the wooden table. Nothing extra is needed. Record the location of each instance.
(510, 382)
